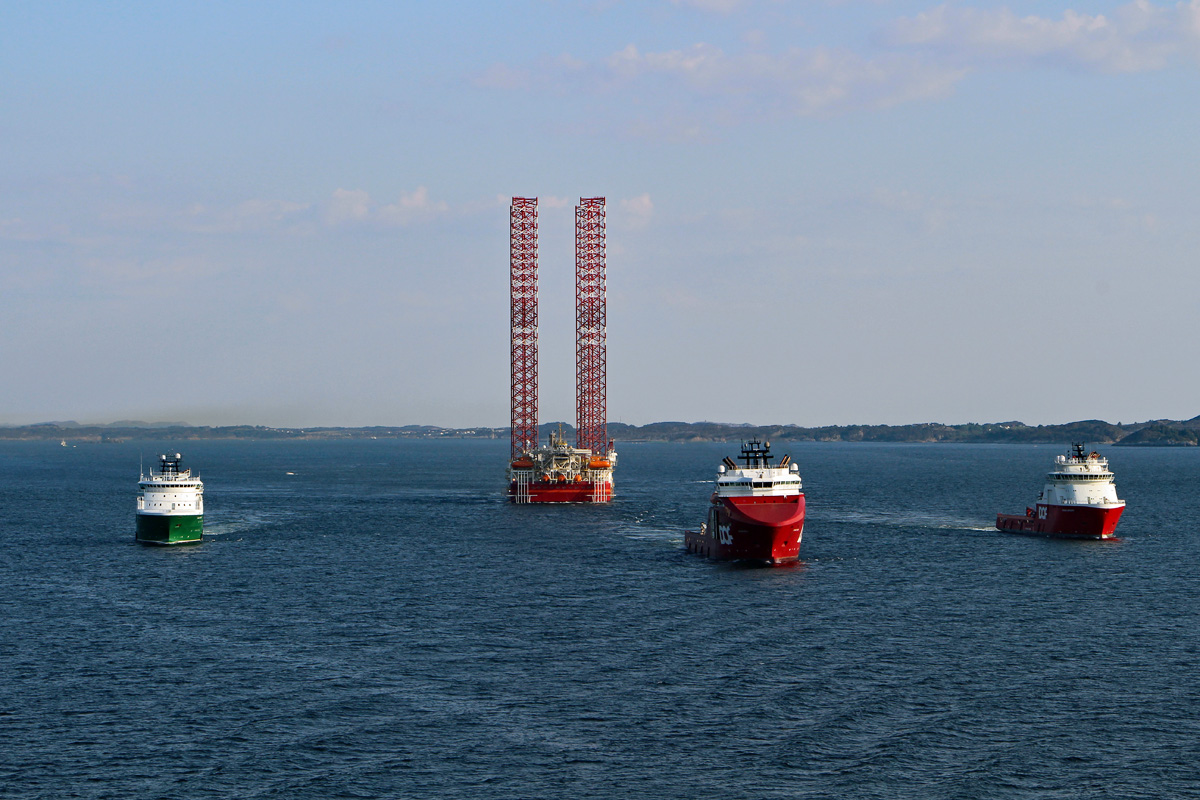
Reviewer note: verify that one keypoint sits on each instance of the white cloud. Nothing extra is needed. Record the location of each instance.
(268, 210)
(637, 210)
(22, 230)
(902, 200)
(503, 76)
(411, 206)
(348, 204)
(1109, 203)
(799, 81)
(684, 93)
(112, 219)
(250, 215)
(127, 276)
(1136, 37)
(931, 214)
(356, 206)
(719, 6)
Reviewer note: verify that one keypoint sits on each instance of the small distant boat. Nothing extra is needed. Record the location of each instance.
(756, 512)
(1079, 501)
(63, 443)
(170, 507)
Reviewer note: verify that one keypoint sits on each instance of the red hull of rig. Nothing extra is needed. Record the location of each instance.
(563, 492)
(557, 472)
(1065, 522)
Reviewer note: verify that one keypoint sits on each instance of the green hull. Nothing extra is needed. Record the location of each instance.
(160, 529)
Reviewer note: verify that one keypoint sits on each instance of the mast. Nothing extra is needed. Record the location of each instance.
(590, 326)
(523, 248)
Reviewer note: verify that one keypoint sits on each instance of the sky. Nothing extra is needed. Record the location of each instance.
(819, 212)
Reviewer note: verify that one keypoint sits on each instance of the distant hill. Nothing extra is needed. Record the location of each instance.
(1093, 431)
(1162, 435)
(136, 423)
(1155, 433)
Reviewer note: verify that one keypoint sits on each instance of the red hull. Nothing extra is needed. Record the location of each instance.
(1070, 522)
(564, 492)
(765, 529)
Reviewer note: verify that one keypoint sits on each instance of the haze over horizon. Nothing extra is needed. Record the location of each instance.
(819, 213)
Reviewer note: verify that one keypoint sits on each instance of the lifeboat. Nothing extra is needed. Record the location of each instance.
(599, 463)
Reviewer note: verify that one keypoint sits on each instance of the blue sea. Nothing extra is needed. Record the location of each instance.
(372, 620)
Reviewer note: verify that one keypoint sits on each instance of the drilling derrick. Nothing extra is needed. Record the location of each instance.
(590, 326)
(523, 294)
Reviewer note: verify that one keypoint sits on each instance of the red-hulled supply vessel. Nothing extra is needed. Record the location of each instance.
(756, 513)
(559, 473)
(1079, 501)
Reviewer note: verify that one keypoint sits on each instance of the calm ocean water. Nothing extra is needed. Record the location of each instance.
(382, 624)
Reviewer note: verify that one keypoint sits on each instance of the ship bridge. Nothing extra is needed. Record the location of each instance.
(757, 477)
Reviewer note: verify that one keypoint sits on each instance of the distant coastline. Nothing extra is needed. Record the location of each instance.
(1155, 433)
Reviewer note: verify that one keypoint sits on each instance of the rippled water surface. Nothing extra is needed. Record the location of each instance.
(382, 624)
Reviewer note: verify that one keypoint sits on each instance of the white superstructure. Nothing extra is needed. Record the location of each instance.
(171, 491)
(1080, 479)
(758, 481)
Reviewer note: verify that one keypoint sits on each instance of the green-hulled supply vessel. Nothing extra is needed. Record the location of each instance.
(170, 505)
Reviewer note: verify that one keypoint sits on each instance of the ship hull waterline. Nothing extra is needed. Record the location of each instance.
(1064, 521)
(740, 529)
(170, 529)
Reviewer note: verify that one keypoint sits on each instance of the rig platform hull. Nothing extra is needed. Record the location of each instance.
(561, 492)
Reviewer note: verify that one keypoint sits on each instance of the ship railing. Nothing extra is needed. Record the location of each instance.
(600, 481)
(521, 478)
(1101, 461)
